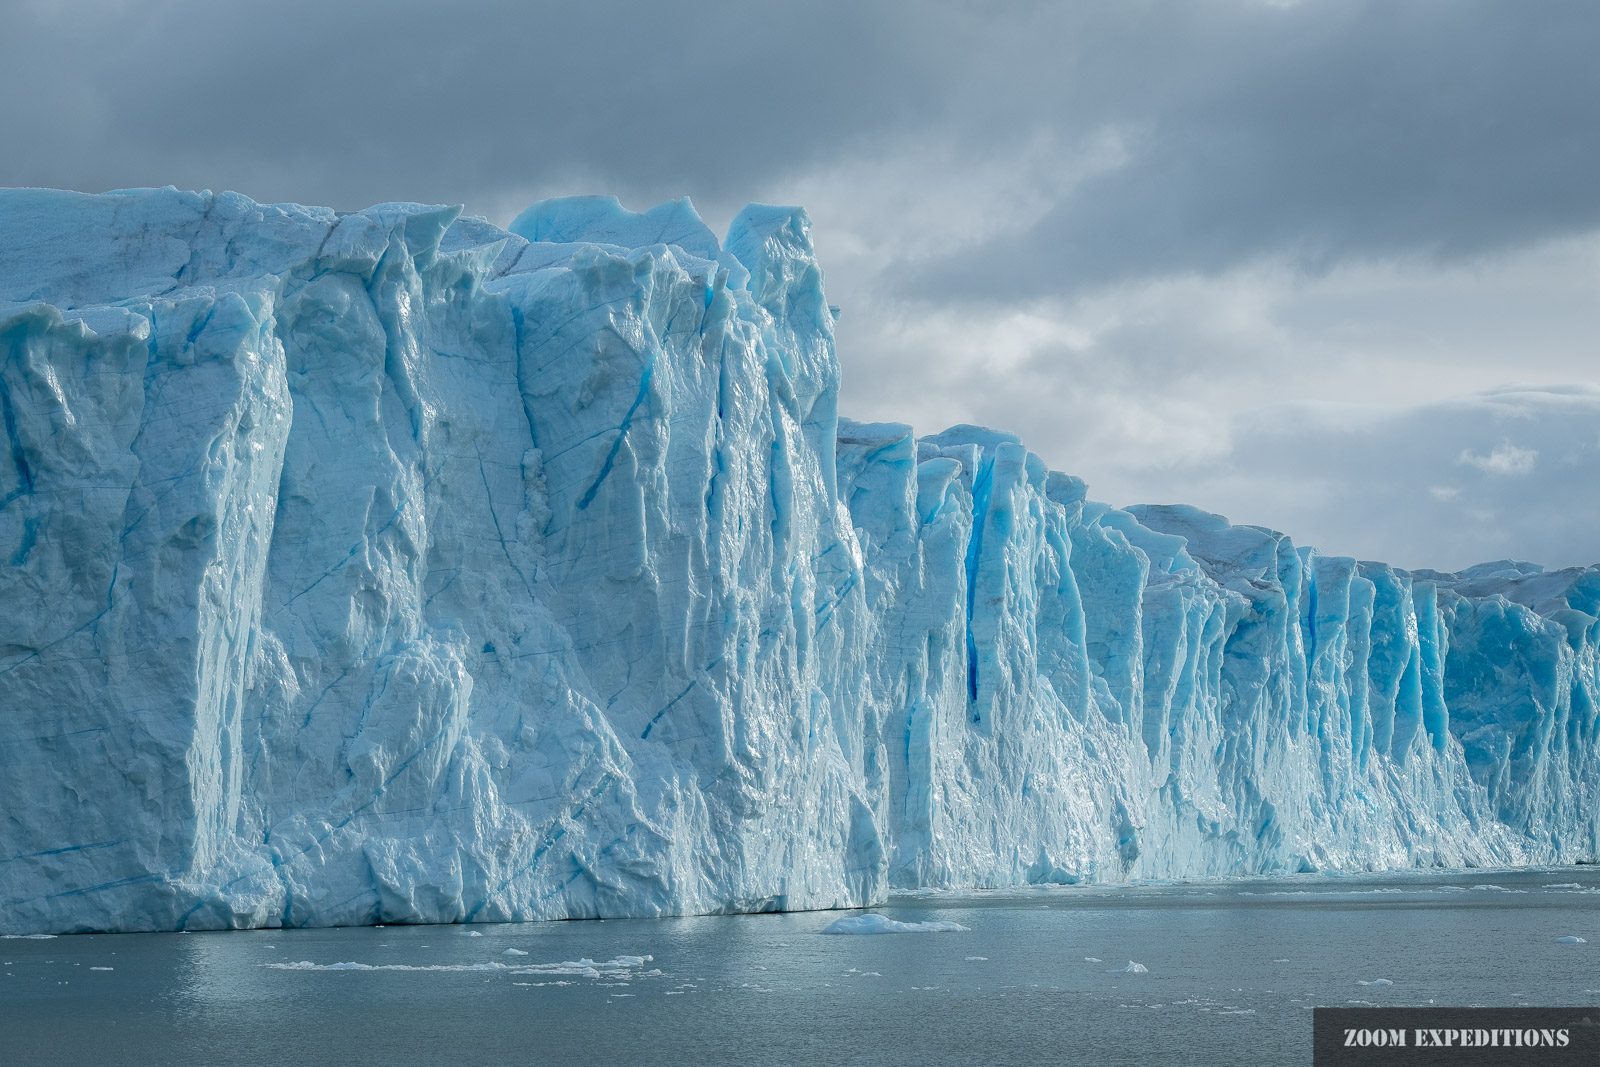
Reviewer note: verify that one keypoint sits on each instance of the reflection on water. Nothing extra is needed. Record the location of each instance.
(1181, 974)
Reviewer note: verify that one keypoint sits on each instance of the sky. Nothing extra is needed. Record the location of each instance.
(1327, 266)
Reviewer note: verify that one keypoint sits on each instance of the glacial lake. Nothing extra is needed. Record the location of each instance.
(1039, 977)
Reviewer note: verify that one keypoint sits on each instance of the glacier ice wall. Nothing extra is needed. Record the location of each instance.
(390, 566)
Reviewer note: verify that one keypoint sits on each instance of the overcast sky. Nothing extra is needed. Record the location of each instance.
(1331, 267)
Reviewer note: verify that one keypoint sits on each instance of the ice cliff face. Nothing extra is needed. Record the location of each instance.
(392, 567)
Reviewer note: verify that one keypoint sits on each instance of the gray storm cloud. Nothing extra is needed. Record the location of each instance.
(1142, 235)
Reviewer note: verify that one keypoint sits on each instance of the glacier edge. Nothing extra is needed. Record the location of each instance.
(393, 567)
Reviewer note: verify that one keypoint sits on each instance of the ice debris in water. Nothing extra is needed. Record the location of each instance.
(618, 967)
(1093, 959)
(544, 534)
(874, 923)
(513, 952)
(1131, 968)
(1571, 940)
(1375, 981)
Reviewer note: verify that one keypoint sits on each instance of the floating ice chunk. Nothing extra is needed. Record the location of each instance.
(471, 933)
(1093, 959)
(873, 923)
(27, 937)
(1131, 968)
(1570, 940)
(977, 959)
(513, 952)
(1375, 981)
(1564, 885)
(102, 968)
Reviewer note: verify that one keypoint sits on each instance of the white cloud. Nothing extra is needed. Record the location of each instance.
(917, 197)
(1199, 388)
(1390, 484)
(1505, 459)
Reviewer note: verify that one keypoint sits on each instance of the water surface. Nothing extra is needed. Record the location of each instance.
(1038, 977)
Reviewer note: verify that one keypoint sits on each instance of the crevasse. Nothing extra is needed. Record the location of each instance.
(390, 566)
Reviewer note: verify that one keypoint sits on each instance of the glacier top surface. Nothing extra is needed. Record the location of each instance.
(603, 219)
(77, 250)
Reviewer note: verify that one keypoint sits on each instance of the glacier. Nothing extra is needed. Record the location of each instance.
(389, 566)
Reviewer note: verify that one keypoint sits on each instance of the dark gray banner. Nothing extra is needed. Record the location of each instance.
(1455, 1037)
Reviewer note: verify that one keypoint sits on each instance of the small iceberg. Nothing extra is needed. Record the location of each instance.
(1131, 968)
(513, 952)
(873, 923)
(471, 933)
(1093, 959)
(1570, 940)
(1375, 981)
